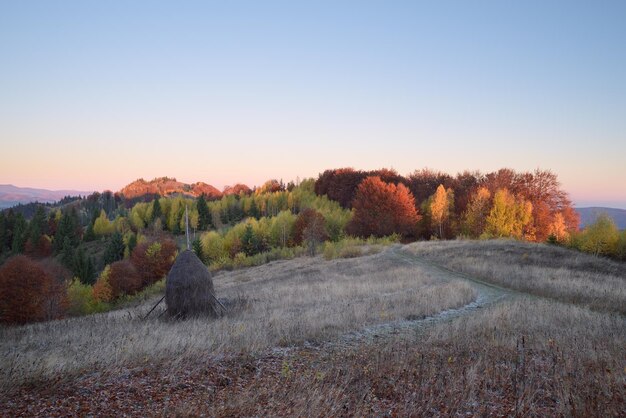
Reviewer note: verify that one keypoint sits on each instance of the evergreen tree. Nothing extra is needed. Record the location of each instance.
(90, 235)
(254, 210)
(204, 215)
(3, 230)
(247, 241)
(67, 253)
(235, 212)
(37, 225)
(83, 267)
(156, 210)
(20, 234)
(132, 243)
(115, 249)
(197, 248)
(251, 243)
(9, 224)
(176, 227)
(67, 228)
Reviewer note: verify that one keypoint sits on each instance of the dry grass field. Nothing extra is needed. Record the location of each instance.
(538, 269)
(278, 304)
(284, 351)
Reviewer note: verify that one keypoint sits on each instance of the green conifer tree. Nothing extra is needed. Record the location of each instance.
(67, 254)
(20, 234)
(132, 243)
(204, 215)
(197, 249)
(156, 210)
(115, 249)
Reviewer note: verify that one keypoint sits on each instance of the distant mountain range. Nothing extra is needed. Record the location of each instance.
(164, 186)
(589, 215)
(12, 195)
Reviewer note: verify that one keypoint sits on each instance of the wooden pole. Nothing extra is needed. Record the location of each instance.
(187, 227)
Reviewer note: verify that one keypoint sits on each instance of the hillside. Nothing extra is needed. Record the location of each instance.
(589, 215)
(415, 330)
(11, 195)
(166, 186)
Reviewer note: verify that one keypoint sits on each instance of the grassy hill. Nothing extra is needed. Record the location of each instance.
(431, 328)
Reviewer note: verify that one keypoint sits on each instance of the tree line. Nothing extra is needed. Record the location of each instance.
(503, 203)
(92, 251)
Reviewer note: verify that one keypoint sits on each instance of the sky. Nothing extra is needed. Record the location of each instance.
(94, 94)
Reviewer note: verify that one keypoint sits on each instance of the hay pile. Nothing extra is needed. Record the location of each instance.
(189, 289)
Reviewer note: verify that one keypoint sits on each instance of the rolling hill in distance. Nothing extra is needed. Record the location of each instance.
(589, 215)
(11, 195)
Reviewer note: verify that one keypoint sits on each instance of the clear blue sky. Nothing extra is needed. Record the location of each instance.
(94, 94)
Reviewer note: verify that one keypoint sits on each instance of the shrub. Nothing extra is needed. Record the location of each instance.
(620, 248)
(102, 291)
(601, 237)
(28, 293)
(81, 299)
(356, 247)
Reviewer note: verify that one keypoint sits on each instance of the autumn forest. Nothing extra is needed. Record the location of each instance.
(86, 253)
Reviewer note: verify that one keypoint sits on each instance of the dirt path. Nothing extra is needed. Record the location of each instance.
(487, 294)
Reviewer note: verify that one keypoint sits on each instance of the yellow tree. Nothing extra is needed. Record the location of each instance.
(475, 216)
(508, 216)
(601, 237)
(102, 225)
(558, 228)
(440, 204)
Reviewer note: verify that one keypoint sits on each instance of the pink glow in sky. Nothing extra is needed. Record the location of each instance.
(96, 95)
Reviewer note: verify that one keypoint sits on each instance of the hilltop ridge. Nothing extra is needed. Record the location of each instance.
(167, 186)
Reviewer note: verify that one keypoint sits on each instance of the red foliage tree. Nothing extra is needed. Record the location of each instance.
(339, 185)
(309, 226)
(153, 260)
(28, 293)
(382, 209)
(423, 183)
(464, 186)
(124, 279)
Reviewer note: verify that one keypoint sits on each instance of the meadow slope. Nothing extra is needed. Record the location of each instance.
(422, 329)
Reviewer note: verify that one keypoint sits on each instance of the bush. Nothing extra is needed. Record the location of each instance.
(599, 238)
(356, 247)
(620, 251)
(241, 260)
(28, 293)
(102, 291)
(81, 299)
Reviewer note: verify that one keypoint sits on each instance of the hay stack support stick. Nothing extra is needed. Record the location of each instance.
(154, 307)
(187, 227)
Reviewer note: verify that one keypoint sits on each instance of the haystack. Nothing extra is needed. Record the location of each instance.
(189, 289)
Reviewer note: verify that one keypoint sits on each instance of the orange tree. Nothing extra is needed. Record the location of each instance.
(382, 209)
(28, 293)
